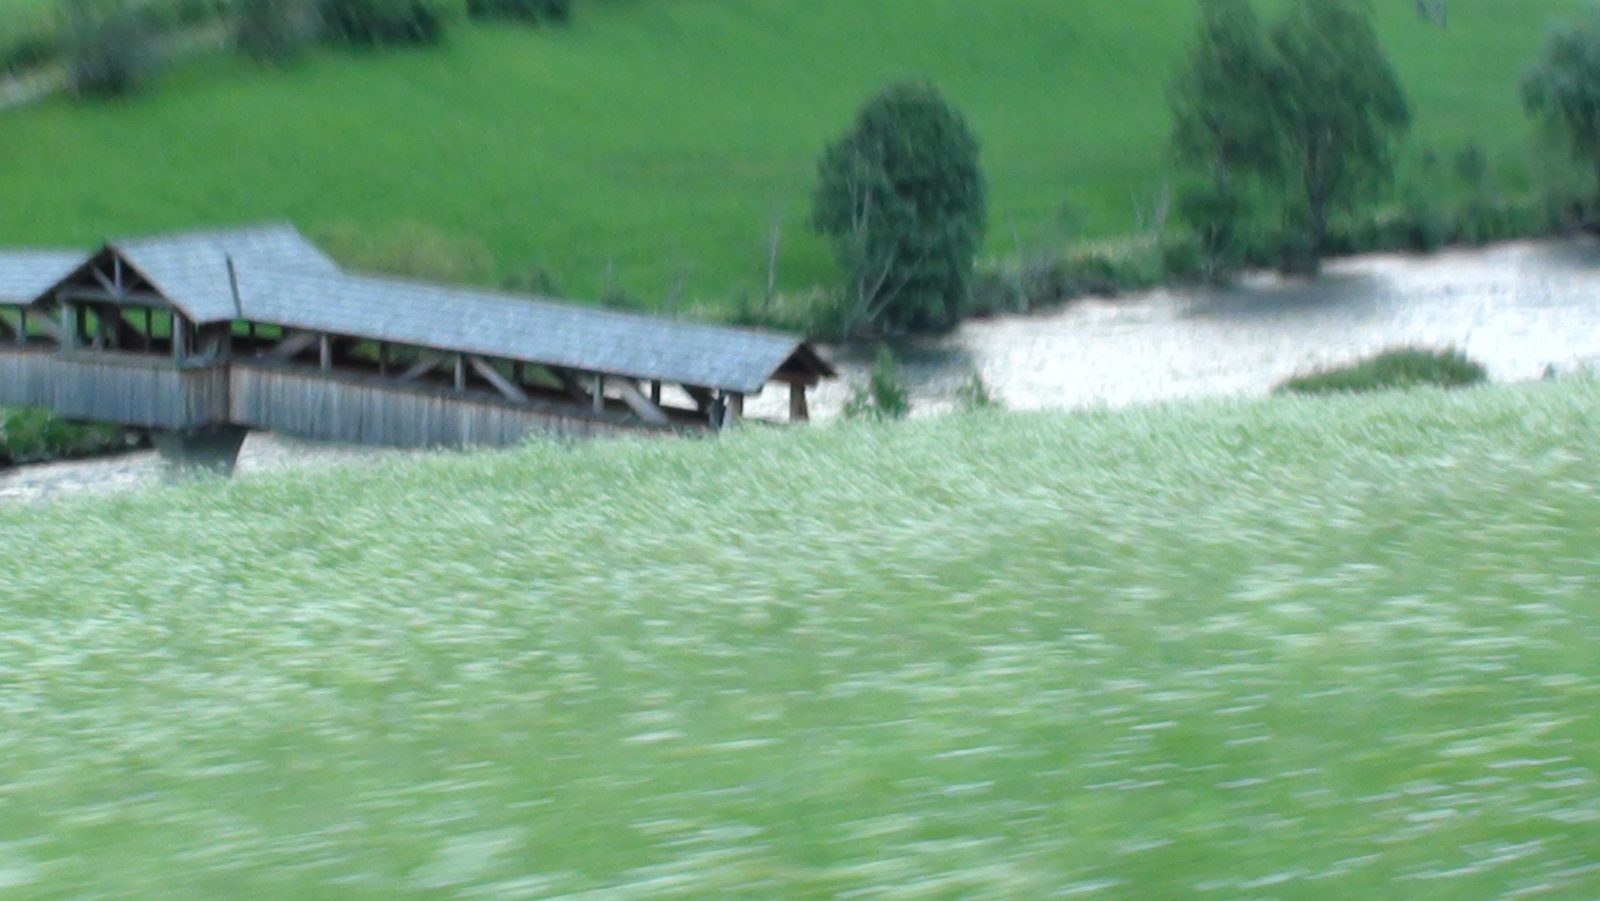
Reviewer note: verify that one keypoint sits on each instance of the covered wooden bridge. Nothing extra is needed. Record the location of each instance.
(202, 336)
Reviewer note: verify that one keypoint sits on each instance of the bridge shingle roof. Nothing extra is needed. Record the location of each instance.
(515, 327)
(273, 275)
(191, 269)
(26, 274)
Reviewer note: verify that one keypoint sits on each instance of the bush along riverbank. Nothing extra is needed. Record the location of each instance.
(1027, 282)
(36, 436)
(1398, 368)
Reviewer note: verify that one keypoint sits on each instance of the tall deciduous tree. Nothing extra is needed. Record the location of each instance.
(1339, 108)
(902, 199)
(1222, 124)
(1564, 89)
(1308, 111)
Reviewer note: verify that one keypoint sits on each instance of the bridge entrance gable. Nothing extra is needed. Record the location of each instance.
(108, 278)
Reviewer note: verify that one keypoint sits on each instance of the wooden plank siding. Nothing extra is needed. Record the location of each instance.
(109, 387)
(332, 406)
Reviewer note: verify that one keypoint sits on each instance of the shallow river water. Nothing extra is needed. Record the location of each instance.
(1524, 309)
(1518, 308)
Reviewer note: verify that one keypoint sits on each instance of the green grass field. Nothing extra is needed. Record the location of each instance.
(662, 139)
(1300, 649)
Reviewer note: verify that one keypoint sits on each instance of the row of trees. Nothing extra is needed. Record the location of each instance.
(1300, 120)
(274, 30)
(1291, 122)
(109, 46)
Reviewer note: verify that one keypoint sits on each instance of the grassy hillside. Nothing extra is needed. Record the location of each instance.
(1319, 650)
(664, 138)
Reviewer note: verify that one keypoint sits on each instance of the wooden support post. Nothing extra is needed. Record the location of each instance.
(516, 373)
(325, 352)
(423, 366)
(5, 327)
(735, 409)
(461, 372)
(219, 341)
(703, 398)
(180, 337)
(22, 325)
(492, 376)
(383, 359)
(111, 287)
(798, 411)
(655, 392)
(69, 327)
(599, 392)
(636, 401)
(50, 327)
(149, 329)
(291, 345)
(570, 384)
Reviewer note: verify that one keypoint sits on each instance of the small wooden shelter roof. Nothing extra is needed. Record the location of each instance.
(273, 275)
(25, 274)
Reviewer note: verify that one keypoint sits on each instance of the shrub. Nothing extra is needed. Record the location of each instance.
(883, 396)
(616, 297)
(274, 31)
(197, 12)
(1405, 367)
(370, 23)
(974, 395)
(29, 51)
(1217, 215)
(1183, 259)
(33, 435)
(902, 200)
(1103, 269)
(555, 12)
(1471, 166)
(538, 281)
(817, 313)
(107, 48)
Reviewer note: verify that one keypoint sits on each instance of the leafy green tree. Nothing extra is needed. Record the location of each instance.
(1222, 125)
(1564, 89)
(106, 47)
(1339, 109)
(902, 199)
(531, 11)
(1222, 115)
(1305, 114)
(274, 31)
